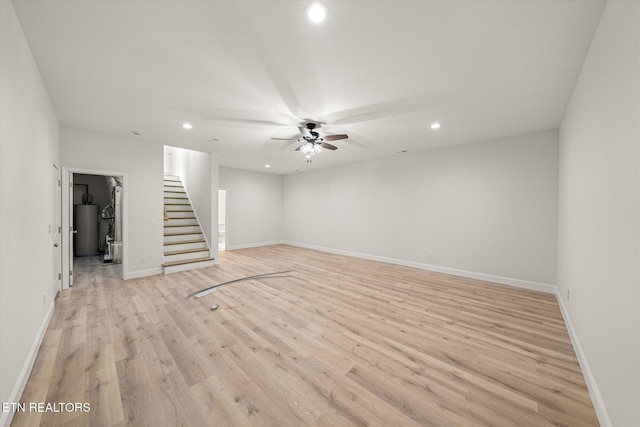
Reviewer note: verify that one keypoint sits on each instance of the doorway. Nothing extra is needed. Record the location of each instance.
(222, 219)
(95, 215)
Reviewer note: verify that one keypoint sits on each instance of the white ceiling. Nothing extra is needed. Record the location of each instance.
(247, 71)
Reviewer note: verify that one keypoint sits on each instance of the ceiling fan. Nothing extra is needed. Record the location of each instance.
(313, 143)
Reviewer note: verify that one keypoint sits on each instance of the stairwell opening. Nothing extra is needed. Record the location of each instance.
(189, 211)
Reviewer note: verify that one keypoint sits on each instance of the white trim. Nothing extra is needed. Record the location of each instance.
(18, 388)
(518, 283)
(226, 221)
(189, 266)
(592, 386)
(142, 273)
(256, 245)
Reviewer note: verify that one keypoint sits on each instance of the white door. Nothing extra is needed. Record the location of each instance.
(71, 230)
(55, 230)
(222, 220)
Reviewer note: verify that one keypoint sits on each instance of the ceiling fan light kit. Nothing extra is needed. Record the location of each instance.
(311, 148)
(312, 142)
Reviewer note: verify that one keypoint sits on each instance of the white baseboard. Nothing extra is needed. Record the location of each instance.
(142, 273)
(18, 388)
(255, 245)
(592, 386)
(542, 287)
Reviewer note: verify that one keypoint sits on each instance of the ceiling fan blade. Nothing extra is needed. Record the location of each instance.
(383, 110)
(328, 146)
(298, 149)
(291, 138)
(249, 121)
(335, 137)
(304, 131)
(250, 117)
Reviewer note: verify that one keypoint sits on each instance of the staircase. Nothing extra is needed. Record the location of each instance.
(185, 247)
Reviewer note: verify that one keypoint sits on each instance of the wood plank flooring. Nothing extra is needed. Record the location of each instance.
(342, 342)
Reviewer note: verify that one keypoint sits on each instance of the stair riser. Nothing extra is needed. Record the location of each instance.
(185, 257)
(186, 246)
(173, 215)
(182, 229)
(181, 222)
(176, 200)
(173, 186)
(185, 267)
(180, 238)
(175, 195)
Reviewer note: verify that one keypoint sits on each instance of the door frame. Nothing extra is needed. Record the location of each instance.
(56, 231)
(226, 219)
(67, 208)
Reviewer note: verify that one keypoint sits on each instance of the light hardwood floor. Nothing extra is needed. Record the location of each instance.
(343, 342)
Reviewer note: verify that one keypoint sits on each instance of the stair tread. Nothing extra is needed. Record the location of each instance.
(186, 251)
(184, 242)
(187, 261)
(174, 226)
(181, 217)
(178, 204)
(181, 234)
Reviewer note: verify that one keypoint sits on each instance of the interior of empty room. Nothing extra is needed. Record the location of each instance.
(449, 193)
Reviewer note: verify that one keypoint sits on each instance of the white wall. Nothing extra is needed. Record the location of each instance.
(255, 202)
(143, 188)
(599, 215)
(29, 146)
(486, 208)
(199, 174)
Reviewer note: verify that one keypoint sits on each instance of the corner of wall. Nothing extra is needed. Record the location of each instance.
(592, 386)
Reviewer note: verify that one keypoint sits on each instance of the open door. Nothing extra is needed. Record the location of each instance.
(55, 229)
(71, 230)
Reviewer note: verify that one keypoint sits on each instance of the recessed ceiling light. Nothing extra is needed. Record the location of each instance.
(187, 126)
(136, 132)
(214, 139)
(267, 166)
(316, 12)
(435, 125)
